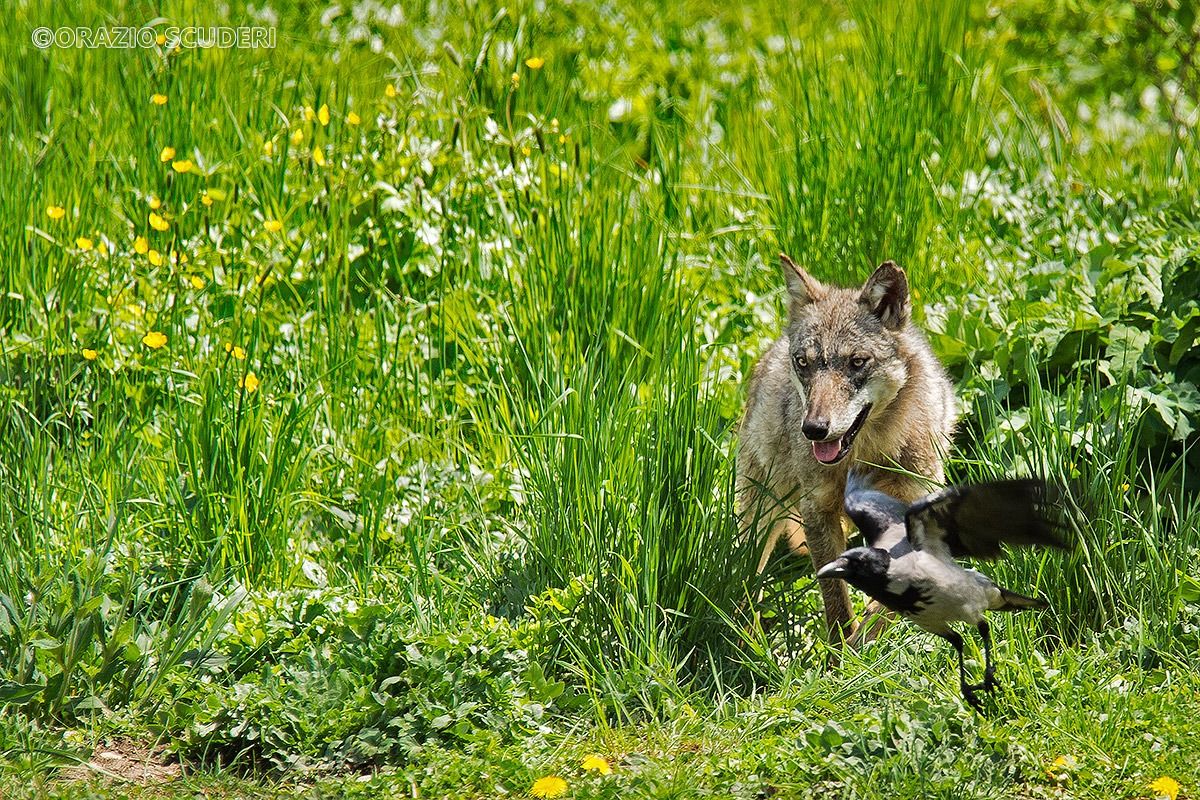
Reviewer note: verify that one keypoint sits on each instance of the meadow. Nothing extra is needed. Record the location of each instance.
(369, 401)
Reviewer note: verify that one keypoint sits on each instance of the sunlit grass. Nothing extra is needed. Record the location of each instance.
(427, 345)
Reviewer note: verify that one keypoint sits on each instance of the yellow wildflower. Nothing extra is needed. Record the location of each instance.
(161, 39)
(83, 243)
(353, 119)
(155, 203)
(158, 223)
(102, 249)
(155, 258)
(166, 154)
(297, 137)
(140, 245)
(158, 99)
(183, 166)
(273, 226)
(154, 340)
(1165, 787)
(235, 350)
(308, 114)
(323, 115)
(390, 90)
(537, 62)
(205, 198)
(598, 764)
(549, 786)
(90, 354)
(1062, 767)
(318, 156)
(197, 282)
(55, 212)
(268, 148)
(516, 80)
(250, 382)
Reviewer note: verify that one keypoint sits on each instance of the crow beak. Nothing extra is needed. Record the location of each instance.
(838, 568)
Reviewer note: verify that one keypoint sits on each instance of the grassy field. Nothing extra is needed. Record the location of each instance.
(369, 401)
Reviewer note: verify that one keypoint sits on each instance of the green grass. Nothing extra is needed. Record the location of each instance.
(431, 482)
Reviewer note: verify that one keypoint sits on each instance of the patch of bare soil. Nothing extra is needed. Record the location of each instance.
(125, 760)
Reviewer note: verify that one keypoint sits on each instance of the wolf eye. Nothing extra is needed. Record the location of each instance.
(858, 362)
(800, 361)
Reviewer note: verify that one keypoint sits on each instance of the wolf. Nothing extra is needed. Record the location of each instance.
(850, 382)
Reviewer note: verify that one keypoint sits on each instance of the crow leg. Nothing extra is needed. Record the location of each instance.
(968, 691)
(989, 669)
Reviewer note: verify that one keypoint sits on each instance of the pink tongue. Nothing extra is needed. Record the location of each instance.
(827, 452)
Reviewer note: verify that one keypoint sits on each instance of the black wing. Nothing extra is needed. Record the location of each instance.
(873, 511)
(974, 521)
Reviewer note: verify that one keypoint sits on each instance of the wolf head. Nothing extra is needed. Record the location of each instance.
(846, 359)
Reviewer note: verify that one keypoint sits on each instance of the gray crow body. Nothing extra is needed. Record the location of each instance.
(908, 563)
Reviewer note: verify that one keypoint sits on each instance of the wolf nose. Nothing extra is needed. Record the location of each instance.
(816, 430)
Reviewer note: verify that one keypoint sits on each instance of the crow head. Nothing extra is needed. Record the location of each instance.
(864, 568)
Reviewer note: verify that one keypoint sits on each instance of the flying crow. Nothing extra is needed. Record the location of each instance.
(908, 562)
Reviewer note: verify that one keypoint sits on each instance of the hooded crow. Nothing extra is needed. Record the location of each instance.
(908, 563)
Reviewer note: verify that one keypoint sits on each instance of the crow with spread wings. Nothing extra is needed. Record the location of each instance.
(908, 563)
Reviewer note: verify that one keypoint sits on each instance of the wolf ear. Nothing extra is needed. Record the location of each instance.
(885, 294)
(802, 287)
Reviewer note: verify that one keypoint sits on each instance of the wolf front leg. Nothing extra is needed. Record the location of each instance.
(826, 541)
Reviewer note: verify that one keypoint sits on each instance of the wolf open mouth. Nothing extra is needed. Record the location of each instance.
(832, 451)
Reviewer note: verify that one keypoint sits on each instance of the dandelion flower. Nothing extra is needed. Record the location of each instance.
(268, 148)
(161, 39)
(1061, 768)
(598, 764)
(166, 154)
(318, 156)
(1165, 787)
(273, 226)
(158, 223)
(90, 354)
(197, 282)
(353, 119)
(155, 258)
(158, 99)
(297, 137)
(55, 212)
(84, 243)
(390, 90)
(250, 382)
(141, 246)
(323, 115)
(549, 786)
(154, 203)
(154, 340)
(183, 166)
(537, 62)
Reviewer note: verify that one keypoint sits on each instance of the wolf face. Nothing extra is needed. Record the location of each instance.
(844, 349)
